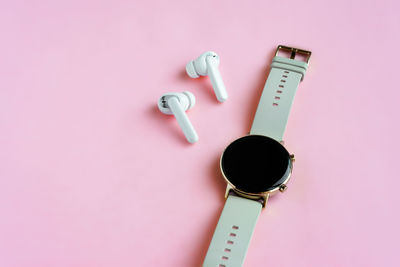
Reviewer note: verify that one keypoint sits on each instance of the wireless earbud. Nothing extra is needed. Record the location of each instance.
(177, 104)
(207, 64)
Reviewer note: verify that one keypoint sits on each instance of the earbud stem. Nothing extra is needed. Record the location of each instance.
(183, 120)
(216, 79)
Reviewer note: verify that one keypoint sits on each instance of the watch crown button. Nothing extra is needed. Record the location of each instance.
(292, 157)
(282, 188)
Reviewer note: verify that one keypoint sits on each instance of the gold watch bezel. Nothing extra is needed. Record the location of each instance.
(260, 195)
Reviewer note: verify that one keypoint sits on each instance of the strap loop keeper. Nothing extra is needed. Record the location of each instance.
(290, 65)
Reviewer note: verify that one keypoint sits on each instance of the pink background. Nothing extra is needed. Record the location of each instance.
(92, 174)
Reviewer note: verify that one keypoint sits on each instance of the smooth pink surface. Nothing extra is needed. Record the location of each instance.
(92, 174)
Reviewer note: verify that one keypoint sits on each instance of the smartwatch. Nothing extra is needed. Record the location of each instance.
(257, 165)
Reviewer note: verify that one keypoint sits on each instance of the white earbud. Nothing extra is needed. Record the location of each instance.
(207, 64)
(177, 104)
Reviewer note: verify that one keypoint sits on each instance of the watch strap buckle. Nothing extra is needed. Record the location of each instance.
(293, 51)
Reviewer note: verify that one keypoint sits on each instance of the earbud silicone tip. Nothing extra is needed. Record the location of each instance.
(191, 97)
(191, 71)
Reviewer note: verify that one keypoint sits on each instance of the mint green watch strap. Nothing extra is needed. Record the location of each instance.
(233, 232)
(276, 100)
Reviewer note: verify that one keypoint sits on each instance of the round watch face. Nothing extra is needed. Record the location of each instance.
(255, 164)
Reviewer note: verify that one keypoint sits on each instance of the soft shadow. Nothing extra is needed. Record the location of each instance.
(219, 186)
(183, 75)
(203, 82)
(217, 178)
(259, 86)
(207, 233)
(172, 129)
